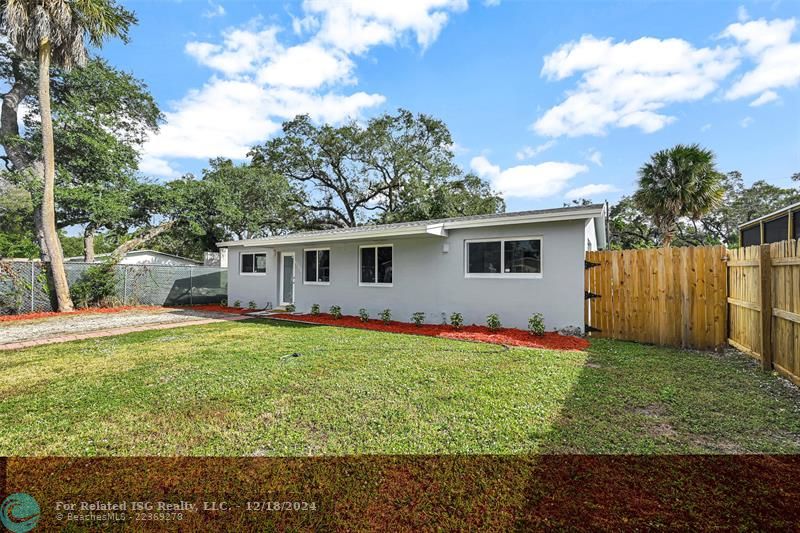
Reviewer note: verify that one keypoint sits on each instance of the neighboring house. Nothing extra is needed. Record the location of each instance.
(512, 264)
(777, 226)
(216, 259)
(144, 257)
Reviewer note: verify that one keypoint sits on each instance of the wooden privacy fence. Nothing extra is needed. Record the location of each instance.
(764, 305)
(666, 296)
(701, 297)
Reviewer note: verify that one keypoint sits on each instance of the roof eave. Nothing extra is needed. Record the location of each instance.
(436, 228)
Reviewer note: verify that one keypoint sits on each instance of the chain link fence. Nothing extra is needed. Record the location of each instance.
(24, 285)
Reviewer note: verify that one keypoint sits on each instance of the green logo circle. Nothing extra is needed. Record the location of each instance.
(19, 512)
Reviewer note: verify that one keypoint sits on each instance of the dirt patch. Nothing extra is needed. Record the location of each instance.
(662, 430)
(506, 336)
(653, 410)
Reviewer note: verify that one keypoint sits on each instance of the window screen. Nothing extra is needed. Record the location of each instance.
(751, 236)
(796, 225)
(522, 257)
(376, 264)
(776, 230)
(484, 257)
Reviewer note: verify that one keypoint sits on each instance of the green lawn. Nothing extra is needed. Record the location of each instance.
(228, 389)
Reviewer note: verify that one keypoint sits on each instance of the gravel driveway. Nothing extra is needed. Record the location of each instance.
(67, 325)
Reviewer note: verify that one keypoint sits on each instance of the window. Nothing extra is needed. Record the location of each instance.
(318, 266)
(253, 263)
(376, 265)
(504, 258)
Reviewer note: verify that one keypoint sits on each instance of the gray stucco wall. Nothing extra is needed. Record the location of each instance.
(427, 279)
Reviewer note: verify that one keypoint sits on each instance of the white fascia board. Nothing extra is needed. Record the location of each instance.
(328, 237)
(524, 219)
(438, 229)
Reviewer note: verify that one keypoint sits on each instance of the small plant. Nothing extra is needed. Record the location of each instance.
(251, 304)
(290, 308)
(237, 303)
(536, 324)
(456, 320)
(493, 322)
(418, 318)
(314, 309)
(335, 311)
(363, 314)
(386, 316)
(223, 303)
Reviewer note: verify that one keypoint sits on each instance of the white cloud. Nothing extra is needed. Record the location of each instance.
(527, 181)
(765, 98)
(705, 127)
(154, 166)
(742, 14)
(777, 59)
(214, 10)
(358, 25)
(259, 81)
(241, 51)
(528, 152)
(746, 121)
(587, 191)
(621, 84)
(595, 157)
(307, 66)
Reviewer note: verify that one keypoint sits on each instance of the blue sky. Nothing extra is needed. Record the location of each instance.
(546, 100)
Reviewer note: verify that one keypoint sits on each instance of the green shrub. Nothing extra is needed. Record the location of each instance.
(96, 287)
(493, 322)
(456, 320)
(237, 303)
(335, 311)
(363, 314)
(418, 318)
(223, 303)
(536, 324)
(314, 309)
(251, 304)
(290, 308)
(386, 316)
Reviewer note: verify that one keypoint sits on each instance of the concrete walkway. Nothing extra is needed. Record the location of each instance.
(25, 334)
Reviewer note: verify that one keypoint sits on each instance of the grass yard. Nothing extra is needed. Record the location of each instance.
(230, 389)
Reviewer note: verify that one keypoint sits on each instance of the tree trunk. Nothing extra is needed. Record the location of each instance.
(88, 244)
(127, 246)
(57, 272)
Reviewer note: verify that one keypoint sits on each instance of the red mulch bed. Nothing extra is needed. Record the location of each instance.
(86, 311)
(507, 336)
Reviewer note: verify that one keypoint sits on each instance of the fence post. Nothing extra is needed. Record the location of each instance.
(765, 302)
(33, 282)
(125, 285)
(191, 286)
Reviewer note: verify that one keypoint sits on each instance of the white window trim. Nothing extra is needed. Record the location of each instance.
(254, 264)
(305, 266)
(376, 283)
(502, 274)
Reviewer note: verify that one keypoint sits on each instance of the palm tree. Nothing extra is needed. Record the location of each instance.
(680, 182)
(57, 32)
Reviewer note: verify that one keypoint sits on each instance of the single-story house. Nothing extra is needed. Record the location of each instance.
(777, 226)
(512, 264)
(144, 257)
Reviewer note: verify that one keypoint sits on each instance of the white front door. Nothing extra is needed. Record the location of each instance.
(287, 279)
